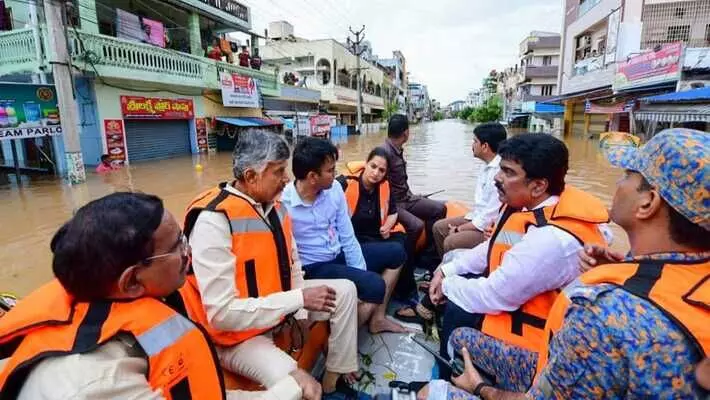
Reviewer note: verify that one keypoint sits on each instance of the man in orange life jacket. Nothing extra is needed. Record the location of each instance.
(636, 328)
(247, 274)
(532, 253)
(102, 330)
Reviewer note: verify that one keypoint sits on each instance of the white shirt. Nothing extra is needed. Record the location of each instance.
(117, 370)
(545, 259)
(213, 263)
(485, 200)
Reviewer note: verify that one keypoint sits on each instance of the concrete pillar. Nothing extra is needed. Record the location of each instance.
(193, 24)
(89, 20)
(568, 118)
(587, 122)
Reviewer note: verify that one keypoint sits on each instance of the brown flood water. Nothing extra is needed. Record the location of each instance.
(439, 157)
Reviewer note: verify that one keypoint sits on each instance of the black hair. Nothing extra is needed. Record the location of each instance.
(105, 157)
(103, 239)
(492, 133)
(398, 124)
(681, 229)
(378, 152)
(541, 156)
(310, 154)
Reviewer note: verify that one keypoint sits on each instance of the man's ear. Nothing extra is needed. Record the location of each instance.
(129, 284)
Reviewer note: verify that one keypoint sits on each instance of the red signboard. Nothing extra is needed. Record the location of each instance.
(320, 125)
(115, 140)
(650, 68)
(201, 130)
(134, 107)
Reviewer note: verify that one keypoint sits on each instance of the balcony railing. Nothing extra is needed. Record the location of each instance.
(231, 7)
(587, 65)
(18, 52)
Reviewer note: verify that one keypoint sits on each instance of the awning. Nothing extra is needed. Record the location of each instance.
(246, 122)
(674, 113)
(695, 95)
(543, 108)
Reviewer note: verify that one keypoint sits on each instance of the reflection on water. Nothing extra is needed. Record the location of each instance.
(439, 157)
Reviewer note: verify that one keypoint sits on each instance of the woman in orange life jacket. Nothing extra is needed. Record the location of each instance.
(373, 213)
(108, 326)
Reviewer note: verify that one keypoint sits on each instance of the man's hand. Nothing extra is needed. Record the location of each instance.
(310, 387)
(319, 298)
(488, 231)
(385, 232)
(470, 377)
(436, 293)
(593, 256)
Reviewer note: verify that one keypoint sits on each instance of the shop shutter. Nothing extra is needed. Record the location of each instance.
(578, 120)
(154, 140)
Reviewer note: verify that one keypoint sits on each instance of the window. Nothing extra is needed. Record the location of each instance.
(679, 33)
(547, 60)
(680, 13)
(547, 90)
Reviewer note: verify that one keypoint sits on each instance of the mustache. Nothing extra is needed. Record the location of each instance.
(499, 186)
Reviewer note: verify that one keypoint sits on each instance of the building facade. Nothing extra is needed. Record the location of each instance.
(144, 86)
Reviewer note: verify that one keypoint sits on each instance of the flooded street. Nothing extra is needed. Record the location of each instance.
(439, 157)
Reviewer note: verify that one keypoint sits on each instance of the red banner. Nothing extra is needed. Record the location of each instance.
(134, 107)
(115, 140)
(650, 68)
(320, 125)
(201, 130)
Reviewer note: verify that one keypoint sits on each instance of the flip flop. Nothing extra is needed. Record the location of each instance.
(410, 319)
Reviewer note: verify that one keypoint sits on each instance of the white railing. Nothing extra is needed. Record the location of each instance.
(17, 51)
(587, 65)
(100, 49)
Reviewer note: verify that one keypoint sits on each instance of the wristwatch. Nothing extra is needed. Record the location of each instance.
(479, 387)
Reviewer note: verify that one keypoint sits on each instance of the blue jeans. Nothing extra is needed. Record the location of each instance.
(383, 254)
(370, 286)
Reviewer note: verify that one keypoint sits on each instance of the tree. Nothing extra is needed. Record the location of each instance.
(438, 116)
(492, 110)
(391, 108)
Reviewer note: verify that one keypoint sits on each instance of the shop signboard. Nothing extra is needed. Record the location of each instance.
(650, 68)
(115, 140)
(320, 125)
(239, 90)
(28, 111)
(201, 133)
(135, 107)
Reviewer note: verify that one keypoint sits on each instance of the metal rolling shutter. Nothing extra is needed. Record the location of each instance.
(154, 140)
(597, 123)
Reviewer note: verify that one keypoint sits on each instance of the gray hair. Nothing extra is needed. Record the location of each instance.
(255, 149)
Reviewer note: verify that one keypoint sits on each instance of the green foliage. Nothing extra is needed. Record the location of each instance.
(391, 109)
(438, 116)
(492, 110)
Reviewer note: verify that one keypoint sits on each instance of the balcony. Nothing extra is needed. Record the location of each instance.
(539, 42)
(542, 71)
(110, 57)
(588, 78)
(17, 52)
(525, 97)
(230, 13)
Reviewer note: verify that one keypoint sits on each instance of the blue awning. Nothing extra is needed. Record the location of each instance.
(246, 122)
(544, 108)
(695, 95)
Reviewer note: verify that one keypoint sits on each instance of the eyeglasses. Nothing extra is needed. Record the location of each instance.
(182, 246)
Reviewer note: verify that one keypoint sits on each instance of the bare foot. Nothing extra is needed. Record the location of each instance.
(385, 325)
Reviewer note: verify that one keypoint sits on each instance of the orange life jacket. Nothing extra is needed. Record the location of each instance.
(49, 323)
(577, 213)
(351, 186)
(262, 249)
(680, 290)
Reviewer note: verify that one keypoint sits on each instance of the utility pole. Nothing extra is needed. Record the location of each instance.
(358, 51)
(60, 60)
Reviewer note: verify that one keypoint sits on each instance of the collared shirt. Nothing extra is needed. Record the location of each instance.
(397, 173)
(616, 345)
(213, 262)
(486, 203)
(323, 229)
(545, 259)
(117, 370)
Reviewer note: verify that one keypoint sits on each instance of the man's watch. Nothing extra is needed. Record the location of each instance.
(479, 387)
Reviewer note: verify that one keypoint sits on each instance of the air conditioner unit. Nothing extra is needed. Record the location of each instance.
(694, 84)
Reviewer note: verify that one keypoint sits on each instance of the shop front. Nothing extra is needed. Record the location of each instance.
(30, 128)
(154, 128)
